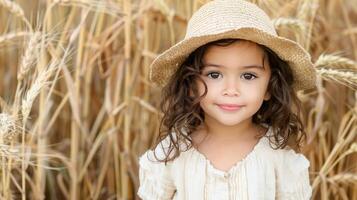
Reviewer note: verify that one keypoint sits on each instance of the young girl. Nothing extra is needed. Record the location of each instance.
(231, 124)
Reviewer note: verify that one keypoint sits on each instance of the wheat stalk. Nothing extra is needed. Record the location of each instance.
(291, 23)
(307, 13)
(336, 62)
(39, 83)
(11, 36)
(164, 8)
(9, 150)
(14, 152)
(352, 149)
(95, 5)
(30, 56)
(350, 31)
(7, 125)
(348, 78)
(96, 165)
(306, 9)
(343, 178)
(4, 105)
(16, 9)
(41, 80)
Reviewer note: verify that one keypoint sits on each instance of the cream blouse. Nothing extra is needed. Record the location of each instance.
(264, 173)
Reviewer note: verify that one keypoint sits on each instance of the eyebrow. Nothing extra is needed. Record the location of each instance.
(244, 67)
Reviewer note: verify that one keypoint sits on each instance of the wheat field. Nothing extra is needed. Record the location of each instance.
(77, 108)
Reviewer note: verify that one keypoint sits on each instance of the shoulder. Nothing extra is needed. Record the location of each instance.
(156, 181)
(290, 161)
(292, 174)
(291, 168)
(286, 160)
(286, 157)
(163, 150)
(152, 158)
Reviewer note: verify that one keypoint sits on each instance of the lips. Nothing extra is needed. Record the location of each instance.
(229, 107)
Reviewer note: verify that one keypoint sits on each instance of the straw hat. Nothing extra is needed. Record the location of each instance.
(221, 19)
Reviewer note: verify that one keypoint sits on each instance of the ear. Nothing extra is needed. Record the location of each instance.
(267, 96)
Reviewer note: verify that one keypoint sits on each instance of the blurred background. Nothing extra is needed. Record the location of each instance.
(77, 109)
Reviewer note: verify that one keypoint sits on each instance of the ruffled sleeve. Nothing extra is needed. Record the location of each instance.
(156, 182)
(293, 181)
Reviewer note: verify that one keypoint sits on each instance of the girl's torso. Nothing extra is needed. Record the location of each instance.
(262, 173)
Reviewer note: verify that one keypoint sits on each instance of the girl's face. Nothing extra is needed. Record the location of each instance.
(237, 78)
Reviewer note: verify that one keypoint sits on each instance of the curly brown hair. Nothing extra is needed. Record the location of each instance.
(180, 104)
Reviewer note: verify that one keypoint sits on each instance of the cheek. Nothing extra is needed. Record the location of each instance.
(213, 89)
(211, 95)
(254, 93)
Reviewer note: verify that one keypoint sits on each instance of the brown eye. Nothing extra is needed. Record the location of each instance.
(213, 75)
(248, 76)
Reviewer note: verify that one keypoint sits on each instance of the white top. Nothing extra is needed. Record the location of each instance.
(264, 173)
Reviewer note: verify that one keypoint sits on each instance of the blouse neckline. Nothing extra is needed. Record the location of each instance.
(237, 164)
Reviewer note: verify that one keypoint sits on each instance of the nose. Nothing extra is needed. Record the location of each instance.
(231, 88)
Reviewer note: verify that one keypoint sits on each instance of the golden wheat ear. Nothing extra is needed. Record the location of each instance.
(335, 61)
(15, 9)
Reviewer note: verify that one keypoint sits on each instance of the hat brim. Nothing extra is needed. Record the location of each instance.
(298, 59)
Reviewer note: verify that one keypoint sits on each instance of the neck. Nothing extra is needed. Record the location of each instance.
(220, 132)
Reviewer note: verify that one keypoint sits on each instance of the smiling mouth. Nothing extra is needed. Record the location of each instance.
(229, 107)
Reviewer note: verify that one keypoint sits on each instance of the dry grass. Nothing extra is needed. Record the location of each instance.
(77, 109)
